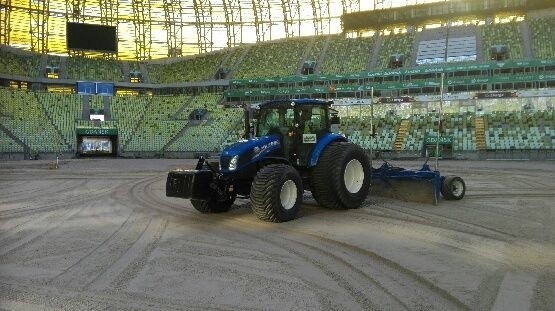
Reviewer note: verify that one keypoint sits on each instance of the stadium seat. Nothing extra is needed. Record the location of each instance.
(395, 44)
(508, 34)
(357, 58)
(197, 68)
(22, 114)
(272, 59)
(82, 68)
(543, 32)
(20, 65)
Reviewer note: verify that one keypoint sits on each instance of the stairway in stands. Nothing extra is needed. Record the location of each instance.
(401, 134)
(480, 133)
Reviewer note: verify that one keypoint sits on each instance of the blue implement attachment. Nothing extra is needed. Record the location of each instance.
(424, 185)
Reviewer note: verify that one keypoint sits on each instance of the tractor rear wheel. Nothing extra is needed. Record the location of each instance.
(213, 205)
(341, 179)
(453, 188)
(276, 193)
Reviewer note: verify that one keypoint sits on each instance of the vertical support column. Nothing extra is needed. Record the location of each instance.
(233, 21)
(5, 29)
(74, 13)
(38, 25)
(204, 24)
(287, 18)
(74, 10)
(321, 14)
(262, 19)
(109, 13)
(142, 22)
(174, 27)
(354, 5)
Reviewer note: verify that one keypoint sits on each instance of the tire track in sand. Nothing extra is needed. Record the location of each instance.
(88, 268)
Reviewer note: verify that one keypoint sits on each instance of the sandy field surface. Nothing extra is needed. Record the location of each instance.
(101, 234)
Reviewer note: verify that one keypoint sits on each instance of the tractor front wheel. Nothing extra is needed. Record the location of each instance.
(341, 179)
(276, 193)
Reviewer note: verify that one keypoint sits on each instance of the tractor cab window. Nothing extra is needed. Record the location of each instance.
(275, 121)
(313, 120)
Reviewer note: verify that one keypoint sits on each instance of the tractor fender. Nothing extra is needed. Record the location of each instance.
(321, 145)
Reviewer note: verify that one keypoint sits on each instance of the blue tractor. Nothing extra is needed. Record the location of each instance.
(291, 149)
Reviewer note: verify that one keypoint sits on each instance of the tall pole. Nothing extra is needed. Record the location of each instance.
(371, 124)
(439, 118)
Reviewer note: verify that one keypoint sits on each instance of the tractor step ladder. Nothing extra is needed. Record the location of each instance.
(401, 134)
(480, 133)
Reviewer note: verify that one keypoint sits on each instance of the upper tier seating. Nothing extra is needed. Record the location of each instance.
(272, 59)
(543, 34)
(82, 68)
(197, 68)
(19, 65)
(346, 55)
(508, 34)
(395, 44)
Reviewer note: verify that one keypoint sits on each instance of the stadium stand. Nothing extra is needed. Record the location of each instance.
(15, 64)
(520, 130)
(128, 111)
(317, 48)
(272, 59)
(232, 58)
(400, 43)
(7, 144)
(197, 68)
(346, 55)
(543, 32)
(82, 68)
(23, 116)
(507, 34)
(63, 110)
(157, 127)
(210, 135)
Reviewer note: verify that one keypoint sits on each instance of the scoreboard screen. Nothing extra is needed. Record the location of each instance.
(91, 37)
(96, 145)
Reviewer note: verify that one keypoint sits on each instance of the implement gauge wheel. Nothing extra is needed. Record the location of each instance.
(453, 188)
(341, 179)
(276, 193)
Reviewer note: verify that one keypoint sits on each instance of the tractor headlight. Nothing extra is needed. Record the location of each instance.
(233, 163)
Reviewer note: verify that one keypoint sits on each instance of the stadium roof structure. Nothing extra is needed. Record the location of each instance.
(148, 29)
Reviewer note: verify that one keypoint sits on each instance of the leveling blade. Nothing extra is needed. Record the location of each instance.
(422, 186)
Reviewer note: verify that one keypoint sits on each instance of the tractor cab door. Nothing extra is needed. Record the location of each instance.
(279, 121)
(311, 125)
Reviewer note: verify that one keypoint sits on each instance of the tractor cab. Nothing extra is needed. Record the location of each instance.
(299, 124)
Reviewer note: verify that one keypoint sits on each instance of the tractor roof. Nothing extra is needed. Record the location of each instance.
(302, 101)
